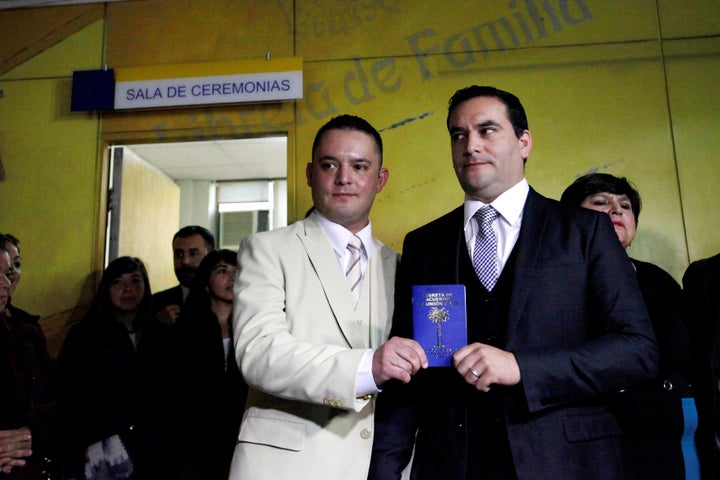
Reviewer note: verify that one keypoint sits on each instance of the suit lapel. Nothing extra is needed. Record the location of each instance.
(528, 244)
(382, 278)
(324, 261)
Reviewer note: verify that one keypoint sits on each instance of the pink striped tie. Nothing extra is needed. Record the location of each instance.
(353, 273)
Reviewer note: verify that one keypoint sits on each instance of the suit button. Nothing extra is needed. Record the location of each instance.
(365, 433)
(667, 385)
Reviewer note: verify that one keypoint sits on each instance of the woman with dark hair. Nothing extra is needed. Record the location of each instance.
(651, 414)
(208, 388)
(111, 385)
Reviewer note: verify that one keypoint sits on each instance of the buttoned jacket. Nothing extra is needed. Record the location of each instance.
(577, 326)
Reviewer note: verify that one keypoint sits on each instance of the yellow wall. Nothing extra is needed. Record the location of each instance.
(693, 70)
(49, 198)
(627, 88)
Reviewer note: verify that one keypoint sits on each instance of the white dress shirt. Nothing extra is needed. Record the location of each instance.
(339, 236)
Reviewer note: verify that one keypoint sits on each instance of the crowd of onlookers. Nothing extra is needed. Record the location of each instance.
(143, 384)
(580, 362)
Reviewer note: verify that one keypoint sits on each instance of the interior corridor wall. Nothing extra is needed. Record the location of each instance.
(149, 217)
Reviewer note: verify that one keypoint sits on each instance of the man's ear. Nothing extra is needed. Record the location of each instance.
(383, 175)
(308, 173)
(525, 144)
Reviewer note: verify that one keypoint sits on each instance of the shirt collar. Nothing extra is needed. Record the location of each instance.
(339, 235)
(509, 204)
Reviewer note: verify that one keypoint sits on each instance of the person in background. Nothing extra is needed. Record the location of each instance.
(26, 402)
(208, 388)
(555, 323)
(313, 308)
(113, 393)
(651, 413)
(12, 245)
(190, 245)
(701, 288)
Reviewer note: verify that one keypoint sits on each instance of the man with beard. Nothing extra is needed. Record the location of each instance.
(190, 245)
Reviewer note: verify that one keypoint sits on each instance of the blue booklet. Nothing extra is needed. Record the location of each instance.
(439, 321)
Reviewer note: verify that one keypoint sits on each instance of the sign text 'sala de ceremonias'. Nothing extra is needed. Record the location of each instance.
(211, 83)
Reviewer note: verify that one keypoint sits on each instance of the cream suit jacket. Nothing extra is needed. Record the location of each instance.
(299, 344)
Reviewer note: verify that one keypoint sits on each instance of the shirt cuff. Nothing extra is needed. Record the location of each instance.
(364, 381)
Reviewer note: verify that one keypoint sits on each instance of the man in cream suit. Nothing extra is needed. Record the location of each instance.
(309, 345)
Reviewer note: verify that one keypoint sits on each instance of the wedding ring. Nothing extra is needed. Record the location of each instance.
(474, 372)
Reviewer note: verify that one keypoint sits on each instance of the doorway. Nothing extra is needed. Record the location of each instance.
(232, 187)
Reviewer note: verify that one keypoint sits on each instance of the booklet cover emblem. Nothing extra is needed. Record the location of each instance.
(439, 322)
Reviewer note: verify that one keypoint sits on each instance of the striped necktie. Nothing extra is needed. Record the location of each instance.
(353, 273)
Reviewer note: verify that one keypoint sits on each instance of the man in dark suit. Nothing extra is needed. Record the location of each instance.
(701, 287)
(190, 245)
(559, 325)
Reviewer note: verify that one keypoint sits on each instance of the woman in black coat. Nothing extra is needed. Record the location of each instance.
(208, 388)
(113, 399)
(651, 414)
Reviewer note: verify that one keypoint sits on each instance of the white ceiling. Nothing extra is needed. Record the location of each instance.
(238, 159)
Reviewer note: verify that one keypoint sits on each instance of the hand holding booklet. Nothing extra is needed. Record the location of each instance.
(439, 321)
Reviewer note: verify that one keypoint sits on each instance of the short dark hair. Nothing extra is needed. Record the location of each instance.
(4, 238)
(191, 230)
(199, 296)
(349, 122)
(594, 183)
(9, 237)
(202, 277)
(516, 112)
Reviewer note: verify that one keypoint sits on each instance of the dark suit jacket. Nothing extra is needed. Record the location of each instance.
(701, 286)
(171, 296)
(578, 327)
